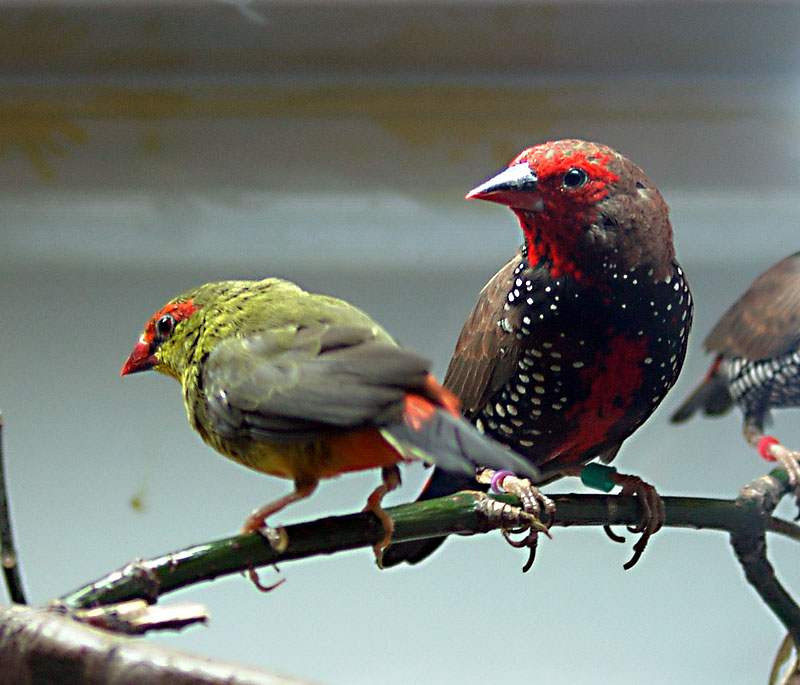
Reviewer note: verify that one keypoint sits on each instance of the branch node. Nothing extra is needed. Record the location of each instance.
(277, 538)
(757, 500)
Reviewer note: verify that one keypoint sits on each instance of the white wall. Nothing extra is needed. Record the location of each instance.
(144, 150)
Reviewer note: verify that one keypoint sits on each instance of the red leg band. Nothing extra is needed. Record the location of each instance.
(763, 446)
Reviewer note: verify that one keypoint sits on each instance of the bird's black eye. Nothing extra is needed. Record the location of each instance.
(164, 326)
(575, 178)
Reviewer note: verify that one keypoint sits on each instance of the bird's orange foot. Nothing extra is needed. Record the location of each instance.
(391, 480)
(534, 505)
(276, 537)
(255, 523)
(653, 512)
(771, 449)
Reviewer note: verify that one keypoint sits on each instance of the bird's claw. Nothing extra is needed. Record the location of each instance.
(772, 450)
(612, 535)
(528, 516)
(653, 513)
(253, 575)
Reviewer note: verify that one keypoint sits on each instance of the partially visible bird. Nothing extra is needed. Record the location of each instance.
(306, 387)
(576, 340)
(756, 347)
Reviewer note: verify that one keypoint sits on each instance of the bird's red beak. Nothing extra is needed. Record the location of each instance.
(141, 359)
(516, 187)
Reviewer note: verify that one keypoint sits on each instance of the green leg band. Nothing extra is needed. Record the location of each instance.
(597, 476)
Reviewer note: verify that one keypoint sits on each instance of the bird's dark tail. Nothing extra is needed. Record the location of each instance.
(436, 435)
(440, 484)
(711, 396)
(457, 448)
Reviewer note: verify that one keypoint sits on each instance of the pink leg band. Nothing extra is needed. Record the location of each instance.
(497, 481)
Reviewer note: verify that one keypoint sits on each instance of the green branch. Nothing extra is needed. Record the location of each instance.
(460, 513)
(757, 501)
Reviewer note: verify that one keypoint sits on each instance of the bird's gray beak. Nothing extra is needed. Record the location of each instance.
(517, 187)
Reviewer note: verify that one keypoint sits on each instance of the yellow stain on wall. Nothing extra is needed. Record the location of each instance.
(458, 119)
(142, 104)
(39, 136)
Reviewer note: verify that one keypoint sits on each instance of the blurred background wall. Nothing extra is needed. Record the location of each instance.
(145, 149)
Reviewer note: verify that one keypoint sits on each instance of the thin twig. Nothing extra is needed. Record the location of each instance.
(786, 528)
(137, 617)
(8, 553)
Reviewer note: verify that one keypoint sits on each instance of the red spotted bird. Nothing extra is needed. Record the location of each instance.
(573, 344)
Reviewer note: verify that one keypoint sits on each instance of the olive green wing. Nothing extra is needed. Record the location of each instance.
(300, 383)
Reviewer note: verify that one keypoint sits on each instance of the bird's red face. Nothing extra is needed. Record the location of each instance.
(556, 189)
(547, 177)
(158, 330)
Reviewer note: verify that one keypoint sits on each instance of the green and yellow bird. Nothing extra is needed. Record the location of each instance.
(306, 386)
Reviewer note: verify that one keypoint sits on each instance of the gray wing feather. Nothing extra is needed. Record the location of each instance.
(765, 321)
(295, 385)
